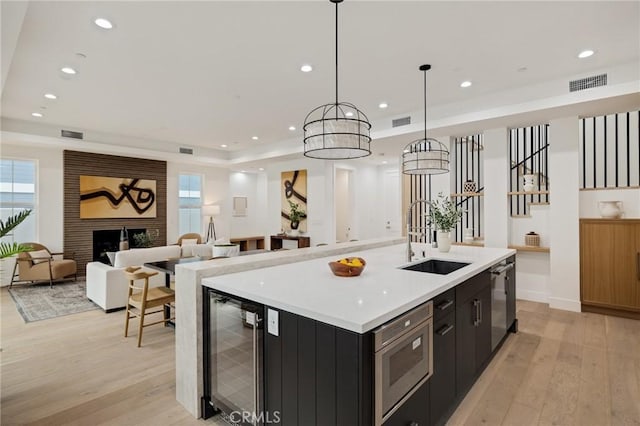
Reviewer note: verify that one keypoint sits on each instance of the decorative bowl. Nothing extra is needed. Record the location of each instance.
(343, 270)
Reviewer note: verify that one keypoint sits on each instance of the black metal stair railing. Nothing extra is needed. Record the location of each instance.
(468, 165)
(528, 154)
(610, 151)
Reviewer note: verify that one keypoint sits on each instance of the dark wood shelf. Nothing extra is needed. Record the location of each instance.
(276, 241)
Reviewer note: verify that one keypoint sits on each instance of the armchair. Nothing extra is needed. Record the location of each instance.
(190, 236)
(38, 264)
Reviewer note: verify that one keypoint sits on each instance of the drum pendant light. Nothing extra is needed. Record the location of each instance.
(339, 130)
(426, 156)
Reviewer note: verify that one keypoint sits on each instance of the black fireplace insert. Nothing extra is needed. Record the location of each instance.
(108, 240)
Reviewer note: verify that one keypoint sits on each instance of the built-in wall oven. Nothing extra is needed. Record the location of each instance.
(233, 376)
(403, 359)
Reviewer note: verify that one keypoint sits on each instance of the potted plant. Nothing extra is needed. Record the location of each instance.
(295, 216)
(9, 249)
(142, 240)
(444, 214)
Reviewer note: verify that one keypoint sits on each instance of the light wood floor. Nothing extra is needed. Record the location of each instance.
(562, 368)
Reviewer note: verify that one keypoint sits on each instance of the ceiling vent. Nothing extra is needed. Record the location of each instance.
(588, 83)
(71, 134)
(186, 150)
(404, 121)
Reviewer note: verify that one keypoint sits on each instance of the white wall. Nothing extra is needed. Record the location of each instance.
(49, 188)
(215, 187)
(367, 217)
(320, 226)
(496, 171)
(630, 201)
(254, 187)
(342, 205)
(564, 284)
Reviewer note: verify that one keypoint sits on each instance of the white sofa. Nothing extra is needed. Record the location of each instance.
(107, 285)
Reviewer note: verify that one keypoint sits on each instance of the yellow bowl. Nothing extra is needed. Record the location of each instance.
(342, 270)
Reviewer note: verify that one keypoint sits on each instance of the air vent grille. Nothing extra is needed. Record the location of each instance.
(588, 82)
(186, 150)
(404, 121)
(71, 134)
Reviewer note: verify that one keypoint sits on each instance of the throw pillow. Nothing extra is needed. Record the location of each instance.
(188, 242)
(39, 256)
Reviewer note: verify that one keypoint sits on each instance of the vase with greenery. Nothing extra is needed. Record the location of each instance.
(9, 249)
(444, 214)
(295, 216)
(142, 240)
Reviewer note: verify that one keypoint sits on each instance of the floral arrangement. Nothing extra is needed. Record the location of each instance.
(444, 213)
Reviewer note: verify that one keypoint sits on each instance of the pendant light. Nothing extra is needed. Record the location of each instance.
(426, 156)
(339, 130)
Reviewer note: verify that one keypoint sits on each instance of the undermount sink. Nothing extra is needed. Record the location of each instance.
(434, 266)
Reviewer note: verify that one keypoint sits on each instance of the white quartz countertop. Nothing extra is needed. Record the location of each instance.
(360, 304)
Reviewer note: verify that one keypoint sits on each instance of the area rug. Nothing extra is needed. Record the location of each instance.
(36, 302)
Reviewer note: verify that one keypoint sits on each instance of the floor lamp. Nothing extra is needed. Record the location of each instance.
(211, 210)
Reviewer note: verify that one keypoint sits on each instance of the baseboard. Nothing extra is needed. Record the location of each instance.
(532, 296)
(565, 304)
(611, 311)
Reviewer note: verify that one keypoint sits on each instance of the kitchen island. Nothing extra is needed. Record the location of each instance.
(302, 289)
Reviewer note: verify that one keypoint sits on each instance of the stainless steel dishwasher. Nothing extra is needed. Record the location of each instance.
(499, 290)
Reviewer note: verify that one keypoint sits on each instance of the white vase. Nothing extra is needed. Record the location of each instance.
(444, 241)
(294, 233)
(529, 183)
(610, 209)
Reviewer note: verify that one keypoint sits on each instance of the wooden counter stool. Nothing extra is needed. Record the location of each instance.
(141, 298)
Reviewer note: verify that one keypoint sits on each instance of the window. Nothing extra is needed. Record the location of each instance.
(17, 193)
(190, 204)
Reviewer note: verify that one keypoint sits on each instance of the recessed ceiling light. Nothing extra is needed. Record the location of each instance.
(384, 162)
(103, 23)
(68, 70)
(224, 145)
(348, 114)
(465, 84)
(36, 114)
(261, 169)
(383, 105)
(50, 96)
(242, 171)
(255, 138)
(292, 128)
(306, 68)
(585, 54)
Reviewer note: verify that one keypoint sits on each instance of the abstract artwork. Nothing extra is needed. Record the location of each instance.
(294, 190)
(109, 197)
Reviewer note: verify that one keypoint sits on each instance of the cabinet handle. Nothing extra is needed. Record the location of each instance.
(444, 329)
(444, 305)
(476, 319)
(479, 311)
(638, 264)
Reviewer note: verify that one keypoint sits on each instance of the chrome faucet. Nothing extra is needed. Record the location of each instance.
(409, 227)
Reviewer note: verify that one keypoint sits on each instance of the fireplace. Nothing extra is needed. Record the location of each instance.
(106, 240)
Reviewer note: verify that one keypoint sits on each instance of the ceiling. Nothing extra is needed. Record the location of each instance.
(203, 74)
